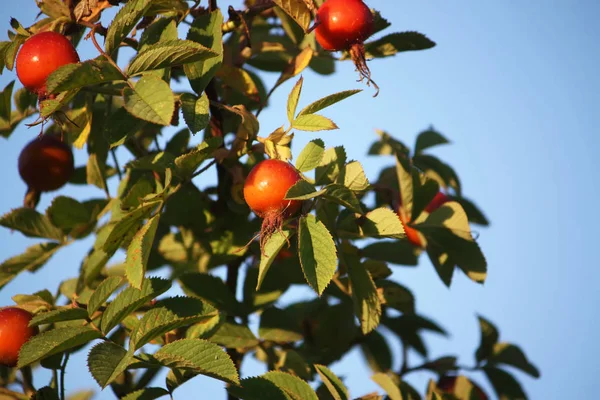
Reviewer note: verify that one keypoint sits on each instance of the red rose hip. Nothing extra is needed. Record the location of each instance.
(14, 332)
(41, 55)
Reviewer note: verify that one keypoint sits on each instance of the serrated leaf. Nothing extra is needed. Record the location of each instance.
(186, 164)
(313, 123)
(310, 157)
(293, 99)
(258, 388)
(32, 259)
(206, 30)
(332, 163)
(327, 101)
(364, 293)
(195, 111)
(342, 195)
(394, 43)
(125, 227)
(354, 177)
(106, 361)
(317, 253)
(429, 138)
(382, 222)
(31, 224)
(386, 383)
(55, 341)
(66, 213)
(58, 315)
(150, 393)
(168, 54)
(138, 252)
(120, 126)
(87, 73)
(169, 314)
(151, 99)
(199, 356)
(211, 289)
(234, 336)
(123, 23)
(129, 300)
(334, 384)
(297, 10)
(104, 290)
(293, 386)
(303, 190)
(274, 244)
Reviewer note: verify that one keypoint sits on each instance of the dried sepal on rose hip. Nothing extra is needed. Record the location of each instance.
(14, 333)
(345, 25)
(264, 191)
(40, 55)
(45, 164)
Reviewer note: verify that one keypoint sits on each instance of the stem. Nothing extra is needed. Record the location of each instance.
(100, 30)
(27, 383)
(62, 376)
(203, 169)
(233, 269)
(114, 157)
(404, 368)
(92, 35)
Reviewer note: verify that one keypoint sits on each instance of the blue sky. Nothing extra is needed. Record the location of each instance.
(513, 85)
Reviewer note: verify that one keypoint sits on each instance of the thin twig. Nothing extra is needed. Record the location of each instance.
(62, 376)
(203, 169)
(114, 157)
(92, 35)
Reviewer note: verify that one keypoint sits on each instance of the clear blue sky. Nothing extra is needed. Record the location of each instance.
(514, 86)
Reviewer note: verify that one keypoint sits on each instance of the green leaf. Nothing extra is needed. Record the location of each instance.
(120, 126)
(327, 101)
(106, 361)
(334, 384)
(211, 289)
(274, 244)
(87, 73)
(31, 224)
(199, 356)
(310, 157)
(303, 190)
(19, 29)
(126, 227)
(66, 213)
(279, 326)
(364, 293)
(354, 177)
(428, 139)
(435, 169)
(396, 296)
(394, 43)
(168, 54)
(382, 222)
(149, 393)
(234, 336)
(138, 252)
(509, 354)
(187, 163)
(504, 384)
(195, 111)
(377, 269)
(5, 102)
(317, 252)
(129, 300)
(424, 191)
(489, 337)
(297, 10)
(293, 386)
(342, 195)
(10, 51)
(293, 98)
(206, 30)
(104, 290)
(169, 314)
(32, 259)
(158, 162)
(377, 352)
(258, 388)
(474, 214)
(43, 393)
(387, 383)
(151, 100)
(399, 252)
(123, 23)
(58, 315)
(313, 123)
(95, 172)
(332, 163)
(55, 341)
